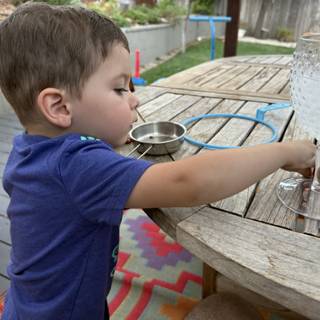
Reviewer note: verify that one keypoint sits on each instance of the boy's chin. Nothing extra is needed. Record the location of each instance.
(128, 140)
(123, 141)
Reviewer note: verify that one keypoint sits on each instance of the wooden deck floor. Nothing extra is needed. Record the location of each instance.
(9, 127)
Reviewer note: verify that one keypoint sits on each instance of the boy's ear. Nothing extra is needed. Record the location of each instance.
(54, 106)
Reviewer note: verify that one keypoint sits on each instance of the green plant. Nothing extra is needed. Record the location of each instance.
(142, 15)
(169, 10)
(284, 34)
(110, 9)
(166, 10)
(52, 2)
(203, 6)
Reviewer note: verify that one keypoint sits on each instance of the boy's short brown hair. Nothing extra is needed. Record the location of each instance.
(45, 46)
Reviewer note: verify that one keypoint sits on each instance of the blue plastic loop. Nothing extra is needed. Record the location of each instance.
(226, 115)
(274, 106)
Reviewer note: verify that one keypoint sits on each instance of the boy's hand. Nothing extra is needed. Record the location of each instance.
(300, 157)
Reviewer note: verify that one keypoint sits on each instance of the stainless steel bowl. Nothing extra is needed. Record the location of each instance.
(158, 138)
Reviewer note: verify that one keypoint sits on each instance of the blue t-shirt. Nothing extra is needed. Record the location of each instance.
(67, 197)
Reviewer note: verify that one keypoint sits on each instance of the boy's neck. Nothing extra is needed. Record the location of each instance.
(49, 131)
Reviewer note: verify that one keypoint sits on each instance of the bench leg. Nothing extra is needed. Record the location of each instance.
(209, 281)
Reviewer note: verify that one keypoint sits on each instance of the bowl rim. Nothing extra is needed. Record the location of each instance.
(157, 122)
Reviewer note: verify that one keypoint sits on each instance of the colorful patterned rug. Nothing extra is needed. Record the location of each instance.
(155, 277)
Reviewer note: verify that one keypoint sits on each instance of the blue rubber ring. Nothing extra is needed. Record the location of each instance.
(226, 115)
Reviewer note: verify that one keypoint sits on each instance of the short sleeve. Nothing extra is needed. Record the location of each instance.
(98, 180)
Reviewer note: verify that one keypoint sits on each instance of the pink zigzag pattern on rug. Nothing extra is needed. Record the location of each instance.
(152, 242)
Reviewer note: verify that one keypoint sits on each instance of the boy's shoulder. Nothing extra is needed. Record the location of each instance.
(25, 143)
(73, 142)
(52, 153)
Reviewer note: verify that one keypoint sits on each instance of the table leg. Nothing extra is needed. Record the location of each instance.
(209, 281)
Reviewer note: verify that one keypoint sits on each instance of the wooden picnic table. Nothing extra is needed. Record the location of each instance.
(250, 237)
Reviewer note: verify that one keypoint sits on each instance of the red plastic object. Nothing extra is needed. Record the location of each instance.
(137, 64)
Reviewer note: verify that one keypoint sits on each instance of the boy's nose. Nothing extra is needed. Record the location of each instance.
(135, 102)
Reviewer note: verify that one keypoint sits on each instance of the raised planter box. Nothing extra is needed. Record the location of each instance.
(158, 40)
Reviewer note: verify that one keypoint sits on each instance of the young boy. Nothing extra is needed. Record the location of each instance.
(66, 73)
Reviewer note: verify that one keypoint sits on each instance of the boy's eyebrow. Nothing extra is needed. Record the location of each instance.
(126, 76)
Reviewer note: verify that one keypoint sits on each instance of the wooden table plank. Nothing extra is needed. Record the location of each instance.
(277, 83)
(265, 206)
(279, 61)
(172, 109)
(148, 93)
(3, 158)
(5, 147)
(2, 166)
(225, 78)
(270, 261)
(4, 203)
(6, 138)
(235, 131)
(5, 230)
(156, 104)
(4, 258)
(258, 81)
(244, 78)
(168, 218)
(203, 106)
(207, 75)
(271, 59)
(192, 73)
(228, 94)
(4, 284)
(2, 192)
(9, 131)
(239, 203)
(285, 60)
(205, 129)
(233, 63)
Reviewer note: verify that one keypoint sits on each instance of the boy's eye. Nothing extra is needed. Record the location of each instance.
(120, 91)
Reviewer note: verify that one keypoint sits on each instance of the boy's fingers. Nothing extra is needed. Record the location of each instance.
(307, 173)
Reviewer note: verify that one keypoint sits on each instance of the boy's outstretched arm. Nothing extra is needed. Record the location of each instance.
(215, 175)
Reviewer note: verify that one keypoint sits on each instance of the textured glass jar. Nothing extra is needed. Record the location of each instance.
(300, 195)
(305, 83)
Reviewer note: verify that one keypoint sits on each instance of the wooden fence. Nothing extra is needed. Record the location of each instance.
(264, 18)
